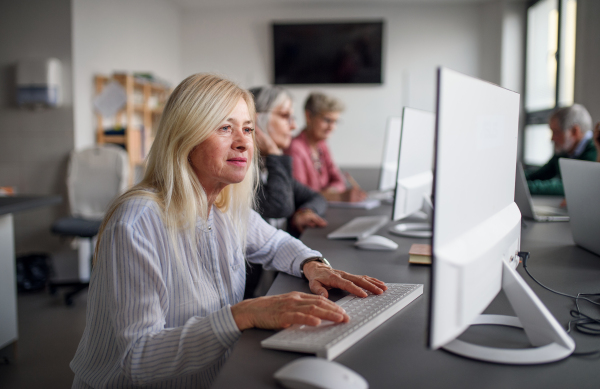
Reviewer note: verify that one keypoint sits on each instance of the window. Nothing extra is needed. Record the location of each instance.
(549, 73)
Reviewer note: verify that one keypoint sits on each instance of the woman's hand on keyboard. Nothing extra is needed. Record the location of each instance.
(281, 311)
(322, 278)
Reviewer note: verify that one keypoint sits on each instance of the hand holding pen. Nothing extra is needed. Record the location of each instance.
(355, 193)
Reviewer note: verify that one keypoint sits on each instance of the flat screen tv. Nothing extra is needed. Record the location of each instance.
(328, 53)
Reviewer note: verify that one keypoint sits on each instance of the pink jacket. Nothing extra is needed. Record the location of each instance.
(304, 170)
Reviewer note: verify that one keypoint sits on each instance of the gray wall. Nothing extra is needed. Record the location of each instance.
(34, 144)
(587, 61)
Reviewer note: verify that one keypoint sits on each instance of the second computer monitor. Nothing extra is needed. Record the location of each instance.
(389, 160)
(477, 226)
(415, 163)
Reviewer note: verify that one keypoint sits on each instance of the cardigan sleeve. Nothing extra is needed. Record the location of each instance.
(336, 180)
(276, 196)
(300, 163)
(546, 172)
(304, 197)
(553, 187)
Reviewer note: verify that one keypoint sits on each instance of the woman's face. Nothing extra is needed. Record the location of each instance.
(281, 124)
(320, 126)
(225, 156)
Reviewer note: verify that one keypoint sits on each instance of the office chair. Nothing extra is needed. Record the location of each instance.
(96, 175)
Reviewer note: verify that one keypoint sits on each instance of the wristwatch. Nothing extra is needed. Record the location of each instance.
(311, 259)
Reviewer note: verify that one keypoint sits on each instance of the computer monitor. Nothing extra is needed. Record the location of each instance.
(414, 177)
(477, 226)
(389, 160)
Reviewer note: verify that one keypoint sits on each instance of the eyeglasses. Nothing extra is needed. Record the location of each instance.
(286, 116)
(330, 122)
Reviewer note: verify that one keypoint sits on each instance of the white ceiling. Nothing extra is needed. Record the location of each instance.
(245, 3)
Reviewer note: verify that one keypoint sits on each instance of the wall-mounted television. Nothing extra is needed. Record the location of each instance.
(328, 53)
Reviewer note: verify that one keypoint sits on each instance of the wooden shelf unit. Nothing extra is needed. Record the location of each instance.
(138, 118)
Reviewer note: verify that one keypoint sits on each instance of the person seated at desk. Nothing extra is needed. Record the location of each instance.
(313, 165)
(597, 141)
(281, 200)
(280, 196)
(165, 301)
(572, 136)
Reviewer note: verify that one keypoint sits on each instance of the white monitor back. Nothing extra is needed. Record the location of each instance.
(389, 161)
(476, 224)
(415, 165)
(581, 180)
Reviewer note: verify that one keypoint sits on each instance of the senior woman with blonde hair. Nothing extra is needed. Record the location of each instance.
(165, 301)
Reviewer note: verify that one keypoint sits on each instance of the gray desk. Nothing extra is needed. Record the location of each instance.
(395, 354)
(8, 297)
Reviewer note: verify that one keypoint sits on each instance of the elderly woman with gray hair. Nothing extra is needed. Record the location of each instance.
(281, 198)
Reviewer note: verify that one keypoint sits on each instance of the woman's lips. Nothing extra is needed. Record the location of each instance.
(238, 161)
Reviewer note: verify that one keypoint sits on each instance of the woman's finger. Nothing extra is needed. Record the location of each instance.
(364, 283)
(337, 315)
(311, 315)
(317, 288)
(289, 318)
(300, 299)
(337, 281)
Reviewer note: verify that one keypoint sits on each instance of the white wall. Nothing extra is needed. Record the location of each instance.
(120, 35)
(35, 144)
(418, 38)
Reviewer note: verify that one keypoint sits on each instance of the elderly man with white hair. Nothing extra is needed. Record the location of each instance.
(572, 136)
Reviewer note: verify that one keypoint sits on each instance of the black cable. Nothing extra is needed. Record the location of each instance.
(525, 255)
(582, 322)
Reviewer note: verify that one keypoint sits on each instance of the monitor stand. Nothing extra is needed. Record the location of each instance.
(549, 340)
(417, 230)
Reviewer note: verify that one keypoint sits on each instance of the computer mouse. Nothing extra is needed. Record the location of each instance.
(376, 242)
(319, 373)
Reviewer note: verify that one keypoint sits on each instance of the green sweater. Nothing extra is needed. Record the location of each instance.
(547, 181)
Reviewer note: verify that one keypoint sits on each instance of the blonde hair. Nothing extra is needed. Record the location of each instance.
(319, 103)
(194, 110)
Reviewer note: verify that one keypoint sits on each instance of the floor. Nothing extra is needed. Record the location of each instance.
(49, 333)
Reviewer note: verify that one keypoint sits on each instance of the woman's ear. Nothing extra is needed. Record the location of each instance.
(308, 117)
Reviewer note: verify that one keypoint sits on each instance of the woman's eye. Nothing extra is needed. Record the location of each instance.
(225, 128)
(249, 130)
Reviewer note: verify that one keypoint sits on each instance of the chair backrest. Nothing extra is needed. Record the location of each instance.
(96, 175)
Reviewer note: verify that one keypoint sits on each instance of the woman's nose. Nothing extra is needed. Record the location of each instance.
(241, 141)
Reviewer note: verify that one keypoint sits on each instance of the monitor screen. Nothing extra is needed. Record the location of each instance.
(415, 162)
(389, 159)
(328, 53)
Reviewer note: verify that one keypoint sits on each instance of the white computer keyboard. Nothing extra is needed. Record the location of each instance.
(359, 227)
(329, 340)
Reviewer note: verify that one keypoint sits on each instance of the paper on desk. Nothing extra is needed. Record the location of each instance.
(112, 98)
(366, 204)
